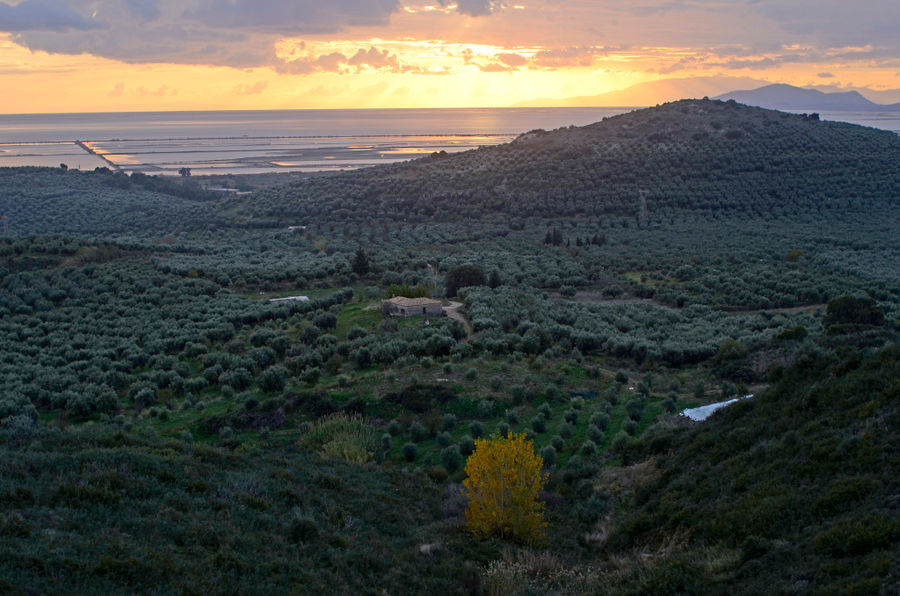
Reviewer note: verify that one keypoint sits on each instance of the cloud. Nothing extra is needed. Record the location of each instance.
(146, 10)
(248, 89)
(566, 57)
(495, 68)
(117, 91)
(43, 15)
(237, 33)
(291, 17)
(477, 8)
(474, 8)
(513, 60)
(826, 75)
(162, 91)
(373, 58)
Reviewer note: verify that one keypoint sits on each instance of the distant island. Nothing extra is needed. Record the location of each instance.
(794, 99)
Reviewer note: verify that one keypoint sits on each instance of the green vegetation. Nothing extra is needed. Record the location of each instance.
(165, 427)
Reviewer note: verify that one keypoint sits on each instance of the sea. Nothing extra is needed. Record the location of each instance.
(255, 142)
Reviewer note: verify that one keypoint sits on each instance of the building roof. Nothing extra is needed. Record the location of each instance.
(403, 301)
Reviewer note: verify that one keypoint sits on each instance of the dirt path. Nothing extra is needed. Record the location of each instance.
(452, 311)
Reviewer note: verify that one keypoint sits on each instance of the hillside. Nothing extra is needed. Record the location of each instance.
(54, 201)
(695, 155)
(796, 99)
(797, 488)
(168, 425)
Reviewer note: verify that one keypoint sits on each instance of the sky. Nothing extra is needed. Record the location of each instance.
(135, 55)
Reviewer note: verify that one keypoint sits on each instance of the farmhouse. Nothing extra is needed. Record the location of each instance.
(414, 307)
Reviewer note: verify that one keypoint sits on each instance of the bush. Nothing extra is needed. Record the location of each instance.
(418, 432)
(558, 443)
(443, 439)
(545, 411)
(600, 420)
(449, 421)
(548, 454)
(503, 481)
(342, 436)
(518, 393)
(466, 445)
(595, 434)
(485, 408)
(503, 429)
(630, 427)
(477, 429)
(451, 458)
(410, 452)
(539, 424)
(565, 430)
(588, 448)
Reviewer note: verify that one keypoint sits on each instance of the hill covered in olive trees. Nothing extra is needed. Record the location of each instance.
(697, 155)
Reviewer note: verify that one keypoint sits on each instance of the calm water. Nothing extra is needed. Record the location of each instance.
(286, 140)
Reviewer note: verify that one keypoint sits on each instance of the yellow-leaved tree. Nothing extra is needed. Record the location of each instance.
(503, 478)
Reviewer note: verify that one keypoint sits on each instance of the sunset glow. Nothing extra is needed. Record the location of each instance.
(120, 55)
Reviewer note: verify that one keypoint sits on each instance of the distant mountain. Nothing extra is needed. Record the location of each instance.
(795, 99)
(882, 96)
(653, 92)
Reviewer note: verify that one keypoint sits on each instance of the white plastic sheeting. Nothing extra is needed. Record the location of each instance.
(704, 412)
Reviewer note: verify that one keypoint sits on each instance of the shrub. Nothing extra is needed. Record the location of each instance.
(512, 417)
(386, 441)
(485, 408)
(600, 420)
(503, 481)
(548, 454)
(477, 429)
(342, 436)
(518, 393)
(630, 427)
(545, 410)
(410, 452)
(451, 458)
(558, 442)
(418, 432)
(539, 424)
(571, 416)
(466, 445)
(471, 374)
(595, 434)
(448, 421)
(443, 439)
(565, 430)
(588, 448)
(503, 429)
